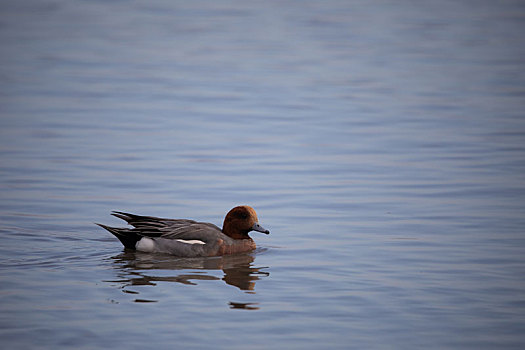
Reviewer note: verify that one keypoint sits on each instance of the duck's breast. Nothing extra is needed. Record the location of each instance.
(235, 246)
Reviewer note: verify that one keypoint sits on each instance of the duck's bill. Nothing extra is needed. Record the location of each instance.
(259, 228)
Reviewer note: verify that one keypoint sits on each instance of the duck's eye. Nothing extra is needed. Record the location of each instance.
(243, 216)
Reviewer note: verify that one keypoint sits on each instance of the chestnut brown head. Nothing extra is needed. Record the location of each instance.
(241, 220)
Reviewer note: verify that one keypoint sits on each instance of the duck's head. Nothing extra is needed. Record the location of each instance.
(241, 220)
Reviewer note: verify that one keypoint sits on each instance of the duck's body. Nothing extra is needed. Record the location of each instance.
(188, 238)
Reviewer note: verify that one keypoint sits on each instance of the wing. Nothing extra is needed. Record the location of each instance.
(151, 226)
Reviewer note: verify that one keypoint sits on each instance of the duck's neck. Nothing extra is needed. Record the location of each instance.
(235, 232)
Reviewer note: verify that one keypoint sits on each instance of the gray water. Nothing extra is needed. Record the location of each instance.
(381, 142)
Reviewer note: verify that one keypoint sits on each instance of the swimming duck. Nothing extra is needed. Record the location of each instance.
(188, 238)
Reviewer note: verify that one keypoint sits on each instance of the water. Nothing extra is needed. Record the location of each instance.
(382, 143)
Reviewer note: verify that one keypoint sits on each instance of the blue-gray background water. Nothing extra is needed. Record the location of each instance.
(381, 142)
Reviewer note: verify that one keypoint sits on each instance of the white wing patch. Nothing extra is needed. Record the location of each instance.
(190, 241)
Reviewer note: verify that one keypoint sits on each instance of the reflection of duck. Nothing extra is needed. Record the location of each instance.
(188, 238)
(238, 270)
(245, 306)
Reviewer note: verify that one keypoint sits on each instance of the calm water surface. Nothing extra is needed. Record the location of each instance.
(381, 142)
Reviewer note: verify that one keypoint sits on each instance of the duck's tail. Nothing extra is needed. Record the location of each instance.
(126, 236)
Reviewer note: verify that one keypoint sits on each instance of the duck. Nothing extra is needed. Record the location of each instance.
(189, 238)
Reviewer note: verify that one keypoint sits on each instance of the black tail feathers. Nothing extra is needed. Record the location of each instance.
(126, 236)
